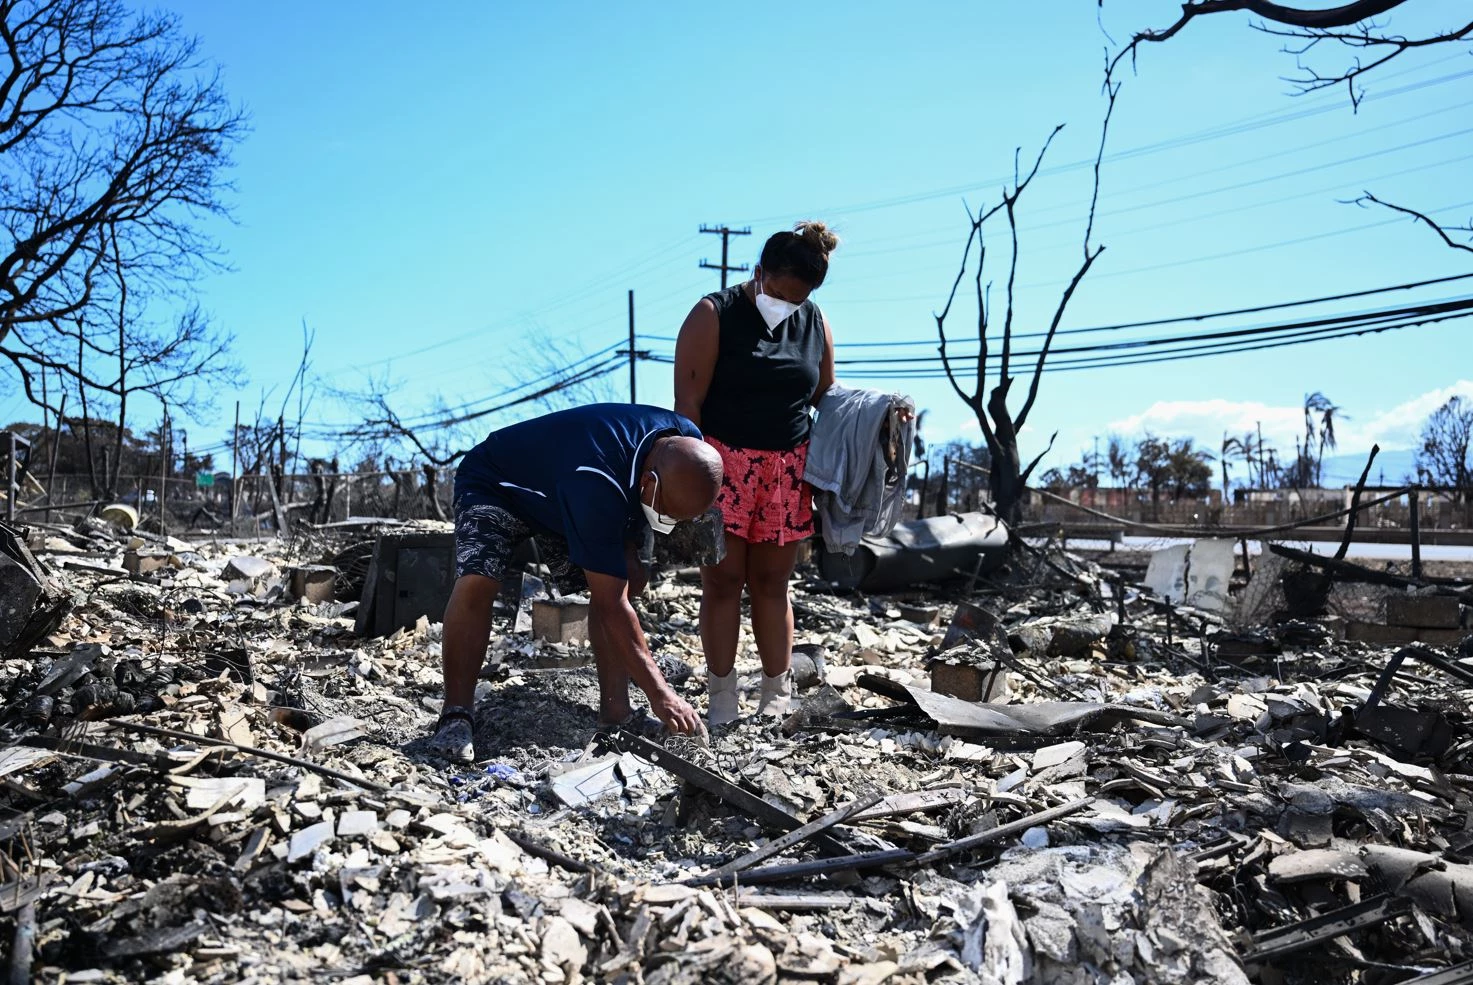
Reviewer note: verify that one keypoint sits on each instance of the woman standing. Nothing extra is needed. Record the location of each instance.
(749, 362)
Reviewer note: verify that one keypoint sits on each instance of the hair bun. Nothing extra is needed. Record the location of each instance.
(818, 235)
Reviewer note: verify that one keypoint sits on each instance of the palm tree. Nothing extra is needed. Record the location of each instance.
(1118, 462)
(1318, 435)
(1230, 447)
(1249, 451)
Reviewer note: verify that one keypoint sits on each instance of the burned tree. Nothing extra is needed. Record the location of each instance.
(1000, 425)
(1446, 455)
(113, 141)
(1306, 31)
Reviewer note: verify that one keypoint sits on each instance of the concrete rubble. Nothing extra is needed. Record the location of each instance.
(206, 775)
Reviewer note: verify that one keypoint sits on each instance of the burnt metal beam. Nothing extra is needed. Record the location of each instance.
(779, 845)
(1004, 830)
(738, 798)
(817, 867)
(1283, 941)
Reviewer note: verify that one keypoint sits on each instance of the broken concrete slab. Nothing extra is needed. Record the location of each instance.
(1424, 611)
(244, 567)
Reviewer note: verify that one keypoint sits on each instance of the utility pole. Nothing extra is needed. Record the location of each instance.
(163, 469)
(633, 394)
(1262, 475)
(234, 461)
(725, 233)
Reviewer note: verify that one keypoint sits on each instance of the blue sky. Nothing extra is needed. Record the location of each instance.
(452, 197)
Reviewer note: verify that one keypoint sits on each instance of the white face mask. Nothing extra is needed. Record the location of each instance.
(659, 522)
(774, 311)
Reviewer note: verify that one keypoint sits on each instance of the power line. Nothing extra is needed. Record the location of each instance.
(1219, 349)
(1151, 323)
(1463, 304)
(585, 376)
(473, 408)
(1187, 352)
(1167, 349)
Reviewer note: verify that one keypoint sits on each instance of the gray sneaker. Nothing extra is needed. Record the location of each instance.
(454, 738)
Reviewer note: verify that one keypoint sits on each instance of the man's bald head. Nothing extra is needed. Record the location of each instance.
(690, 477)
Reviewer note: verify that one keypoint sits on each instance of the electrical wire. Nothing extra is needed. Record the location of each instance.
(1152, 323)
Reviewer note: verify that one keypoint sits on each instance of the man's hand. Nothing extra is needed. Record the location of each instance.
(677, 714)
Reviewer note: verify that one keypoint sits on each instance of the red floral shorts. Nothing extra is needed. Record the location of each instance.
(763, 498)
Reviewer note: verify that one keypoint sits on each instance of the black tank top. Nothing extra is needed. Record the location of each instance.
(763, 380)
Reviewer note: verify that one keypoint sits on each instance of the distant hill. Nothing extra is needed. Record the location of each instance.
(1391, 468)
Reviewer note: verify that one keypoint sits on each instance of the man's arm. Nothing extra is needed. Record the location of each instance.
(609, 604)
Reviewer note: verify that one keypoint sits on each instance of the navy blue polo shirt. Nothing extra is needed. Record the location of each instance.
(574, 473)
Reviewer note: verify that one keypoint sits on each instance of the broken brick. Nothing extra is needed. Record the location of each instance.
(970, 682)
(560, 620)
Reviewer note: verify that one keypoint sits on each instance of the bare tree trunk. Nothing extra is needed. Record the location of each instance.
(1008, 477)
(432, 491)
(280, 471)
(320, 499)
(87, 425)
(332, 491)
(276, 508)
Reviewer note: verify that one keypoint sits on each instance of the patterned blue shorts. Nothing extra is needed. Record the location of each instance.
(490, 539)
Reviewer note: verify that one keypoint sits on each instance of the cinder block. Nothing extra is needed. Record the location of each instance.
(1369, 632)
(145, 562)
(314, 583)
(560, 621)
(1423, 611)
(969, 681)
(1441, 637)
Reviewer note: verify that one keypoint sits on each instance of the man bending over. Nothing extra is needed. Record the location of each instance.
(585, 483)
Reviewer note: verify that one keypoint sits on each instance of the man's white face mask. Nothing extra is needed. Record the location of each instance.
(659, 522)
(774, 311)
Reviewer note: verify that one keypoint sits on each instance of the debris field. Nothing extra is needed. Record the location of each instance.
(1042, 775)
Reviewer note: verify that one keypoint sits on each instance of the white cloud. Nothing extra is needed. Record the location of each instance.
(1401, 426)
(1206, 420)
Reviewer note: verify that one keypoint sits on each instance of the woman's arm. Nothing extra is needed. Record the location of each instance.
(826, 367)
(695, 359)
